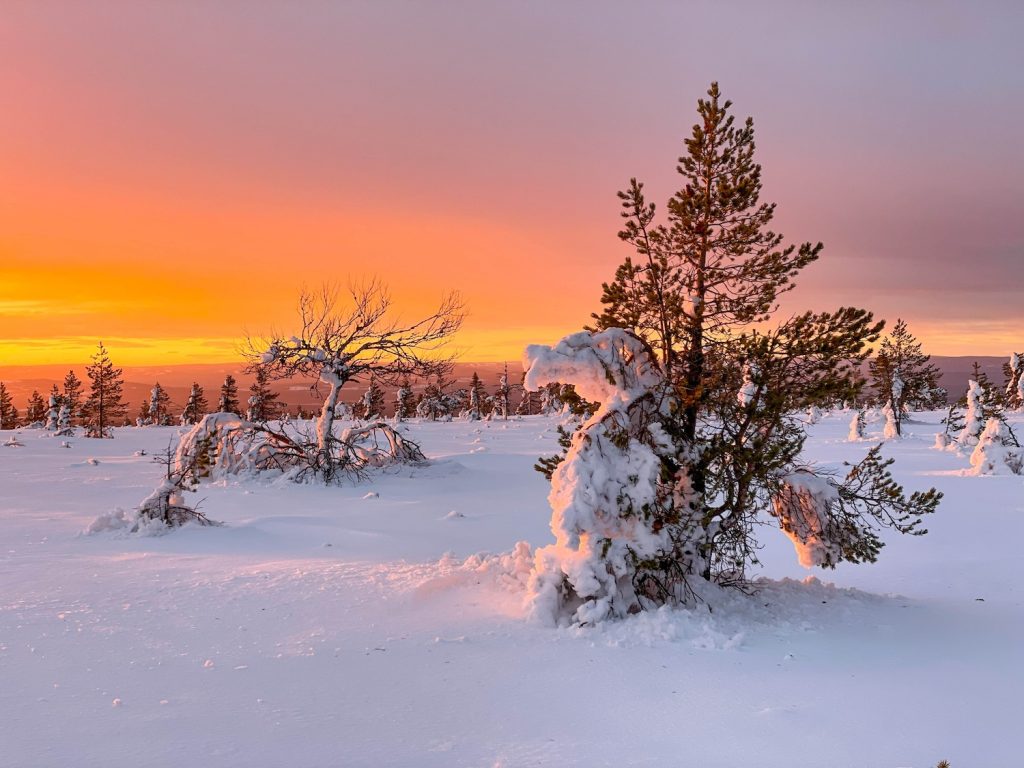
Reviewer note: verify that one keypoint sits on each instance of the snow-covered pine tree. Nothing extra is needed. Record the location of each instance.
(228, 402)
(53, 409)
(477, 398)
(103, 406)
(371, 405)
(196, 405)
(721, 462)
(405, 404)
(158, 410)
(550, 402)
(64, 426)
(263, 405)
(35, 413)
(8, 413)
(1013, 371)
(998, 451)
(982, 404)
(903, 377)
(438, 403)
(142, 418)
(502, 396)
(73, 395)
(526, 405)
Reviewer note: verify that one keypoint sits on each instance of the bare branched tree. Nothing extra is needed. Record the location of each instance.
(338, 344)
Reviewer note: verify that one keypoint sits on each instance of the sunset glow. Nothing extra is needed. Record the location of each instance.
(169, 184)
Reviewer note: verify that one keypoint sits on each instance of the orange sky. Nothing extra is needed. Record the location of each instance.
(173, 173)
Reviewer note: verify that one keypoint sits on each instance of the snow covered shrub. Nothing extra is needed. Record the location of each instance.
(982, 405)
(223, 444)
(997, 451)
(892, 422)
(185, 466)
(858, 425)
(620, 508)
(974, 421)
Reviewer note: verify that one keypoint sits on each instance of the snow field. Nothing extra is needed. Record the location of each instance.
(366, 625)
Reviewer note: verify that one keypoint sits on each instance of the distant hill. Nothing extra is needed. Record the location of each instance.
(956, 371)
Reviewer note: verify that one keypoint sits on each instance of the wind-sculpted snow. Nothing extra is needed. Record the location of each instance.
(612, 367)
(610, 480)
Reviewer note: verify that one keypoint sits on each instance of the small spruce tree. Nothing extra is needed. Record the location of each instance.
(54, 404)
(196, 405)
(35, 414)
(502, 396)
(371, 405)
(73, 395)
(8, 413)
(228, 402)
(477, 398)
(103, 407)
(1013, 371)
(159, 407)
(405, 404)
(902, 376)
(263, 401)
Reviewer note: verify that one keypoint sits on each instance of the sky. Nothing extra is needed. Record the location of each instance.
(173, 173)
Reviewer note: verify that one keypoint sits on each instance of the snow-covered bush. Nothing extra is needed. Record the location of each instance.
(997, 451)
(891, 430)
(227, 445)
(858, 426)
(981, 406)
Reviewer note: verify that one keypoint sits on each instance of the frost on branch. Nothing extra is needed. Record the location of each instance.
(619, 500)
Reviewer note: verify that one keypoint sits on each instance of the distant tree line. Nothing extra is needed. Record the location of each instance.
(97, 404)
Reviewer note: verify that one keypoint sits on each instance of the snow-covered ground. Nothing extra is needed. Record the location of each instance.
(352, 626)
